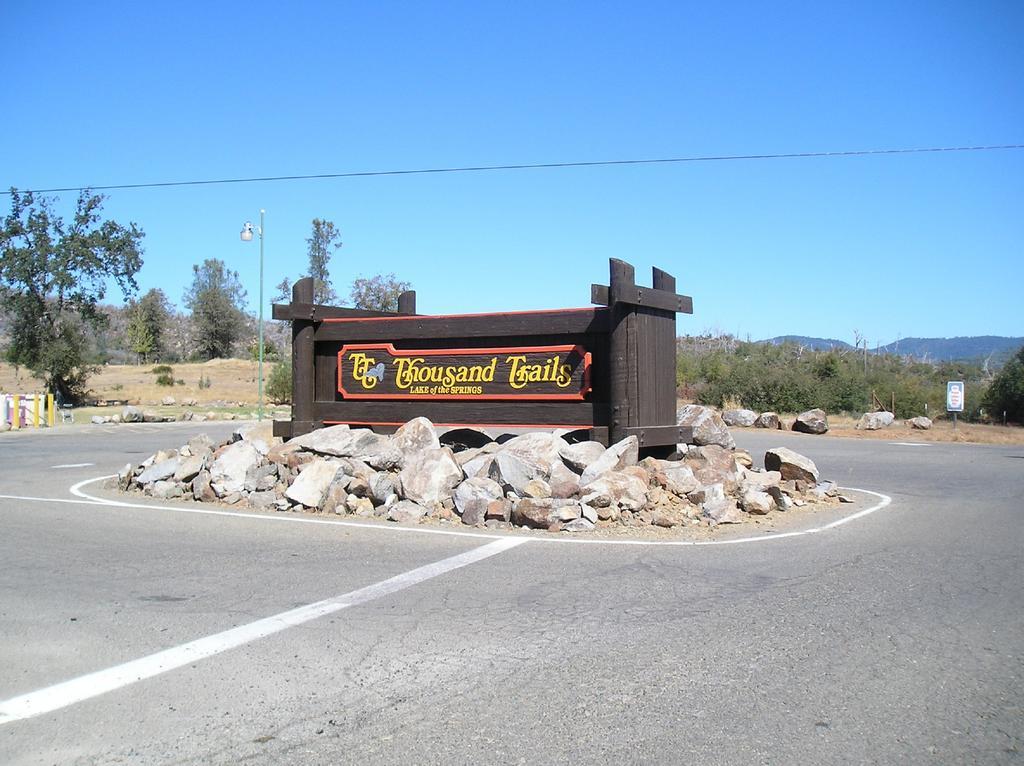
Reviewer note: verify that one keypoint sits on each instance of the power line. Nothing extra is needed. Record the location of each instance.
(530, 166)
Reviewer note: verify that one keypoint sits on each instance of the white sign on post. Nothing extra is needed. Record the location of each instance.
(955, 396)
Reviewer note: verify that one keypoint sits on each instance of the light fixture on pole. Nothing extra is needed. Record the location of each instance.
(246, 235)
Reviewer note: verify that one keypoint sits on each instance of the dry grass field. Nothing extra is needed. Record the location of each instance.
(232, 387)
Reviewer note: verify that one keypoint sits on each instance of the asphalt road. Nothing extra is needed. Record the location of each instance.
(896, 637)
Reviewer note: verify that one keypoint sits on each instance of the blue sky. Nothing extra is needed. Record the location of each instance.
(893, 246)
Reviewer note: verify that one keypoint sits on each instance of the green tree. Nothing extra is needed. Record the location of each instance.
(140, 336)
(52, 277)
(323, 241)
(378, 293)
(148, 325)
(215, 299)
(1006, 392)
(279, 384)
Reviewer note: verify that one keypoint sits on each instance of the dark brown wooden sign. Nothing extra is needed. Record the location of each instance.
(544, 373)
(607, 369)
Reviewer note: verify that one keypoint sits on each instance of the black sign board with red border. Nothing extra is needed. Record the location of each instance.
(508, 373)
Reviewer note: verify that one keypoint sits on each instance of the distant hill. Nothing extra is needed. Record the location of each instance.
(973, 348)
(818, 344)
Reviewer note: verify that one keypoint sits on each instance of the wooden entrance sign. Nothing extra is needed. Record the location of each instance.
(608, 369)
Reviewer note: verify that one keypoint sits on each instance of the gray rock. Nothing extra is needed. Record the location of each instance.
(518, 469)
(621, 488)
(578, 525)
(875, 421)
(756, 502)
(760, 480)
(159, 471)
(811, 422)
(261, 478)
(168, 401)
(149, 416)
(416, 435)
(310, 487)
(578, 456)
(744, 418)
(668, 517)
(588, 512)
(480, 465)
(768, 420)
(382, 485)
(131, 415)
(231, 465)
(538, 449)
(475, 514)
(98, 420)
(710, 493)
(537, 488)
(563, 481)
(792, 465)
(920, 422)
(190, 466)
(622, 454)
(430, 475)
(165, 490)
(202, 490)
(406, 511)
(475, 495)
(722, 512)
(263, 501)
(679, 478)
(708, 426)
(361, 443)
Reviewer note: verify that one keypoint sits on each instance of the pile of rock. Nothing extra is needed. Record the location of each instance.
(711, 428)
(132, 414)
(536, 480)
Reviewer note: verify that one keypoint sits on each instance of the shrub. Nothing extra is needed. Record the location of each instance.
(279, 384)
(162, 369)
(165, 380)
(1006, 393)
(204, 382)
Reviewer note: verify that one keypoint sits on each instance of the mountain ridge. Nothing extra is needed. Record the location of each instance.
(998, 348)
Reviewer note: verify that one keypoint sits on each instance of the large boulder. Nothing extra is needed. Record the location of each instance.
(622, 488)
(792, 465)
(229, 469)
(622, 454)
(160, 471)
(311, 485)
(475, 494)
(874, 421)
(361, 443)
(581, 454)
(768, 420)
(541, 449)
(708, 426)
(744, 418)
(131, 415)
(416, 435)
(429, 476)
(920, 422)
(811, 422)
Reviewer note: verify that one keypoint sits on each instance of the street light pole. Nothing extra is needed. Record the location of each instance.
(247, 237)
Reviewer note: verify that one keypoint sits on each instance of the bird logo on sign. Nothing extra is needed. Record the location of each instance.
(362, 371)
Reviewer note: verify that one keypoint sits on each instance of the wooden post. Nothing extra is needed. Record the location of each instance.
(621, 280)
(407, 302)
(302, 361)
(16, 419)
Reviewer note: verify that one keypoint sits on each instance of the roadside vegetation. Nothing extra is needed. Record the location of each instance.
(723, 372)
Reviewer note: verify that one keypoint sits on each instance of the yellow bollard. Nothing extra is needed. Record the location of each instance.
(35, 410)
(49, 410)
(16, 420)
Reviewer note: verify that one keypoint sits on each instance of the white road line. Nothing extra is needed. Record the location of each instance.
(884, 500)
(94, 684)
(72, 465)
(910, 444)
